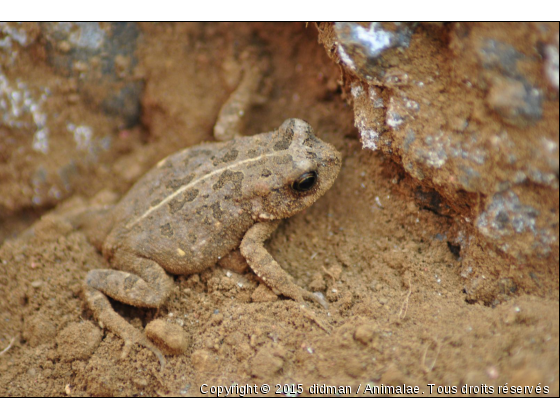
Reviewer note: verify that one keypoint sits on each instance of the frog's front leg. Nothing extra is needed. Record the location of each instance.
(148, 286)
(268, 270)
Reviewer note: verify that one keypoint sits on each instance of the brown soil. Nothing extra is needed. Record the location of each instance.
(398, 312)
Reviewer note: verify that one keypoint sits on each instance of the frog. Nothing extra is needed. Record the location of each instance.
(201, 203)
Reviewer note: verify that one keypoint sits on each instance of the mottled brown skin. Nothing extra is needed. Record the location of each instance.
(198, 205)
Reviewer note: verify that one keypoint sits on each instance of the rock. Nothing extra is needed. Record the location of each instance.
(267, 362)
(51, 153)
(474, 121)
(506, 217)
(170, 338)
(361, 47)
(365, 334)
(516, 102)
(103, 57)
(203, 360)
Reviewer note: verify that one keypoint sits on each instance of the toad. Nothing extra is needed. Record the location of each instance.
(197, 205)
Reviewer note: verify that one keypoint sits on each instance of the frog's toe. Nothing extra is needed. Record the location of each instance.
(126, 349)
(316, 297)
(143, 341)
(159, 355)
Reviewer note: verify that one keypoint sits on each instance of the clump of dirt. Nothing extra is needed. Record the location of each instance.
(379, 246)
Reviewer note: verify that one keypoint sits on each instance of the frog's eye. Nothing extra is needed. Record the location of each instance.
(305, 182)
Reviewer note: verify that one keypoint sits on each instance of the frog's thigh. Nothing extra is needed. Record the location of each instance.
(146, 285)
(264, 266)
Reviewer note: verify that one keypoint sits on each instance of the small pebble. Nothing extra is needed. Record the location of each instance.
(202, 360)
(365, 334)
(168, 337)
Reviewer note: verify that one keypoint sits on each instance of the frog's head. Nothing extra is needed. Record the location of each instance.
(302, 169)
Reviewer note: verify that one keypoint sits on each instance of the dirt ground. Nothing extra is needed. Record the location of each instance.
(398, 313)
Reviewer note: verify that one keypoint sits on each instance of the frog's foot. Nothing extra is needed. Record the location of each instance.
(124, 287)
(111, 320)
(268, 270)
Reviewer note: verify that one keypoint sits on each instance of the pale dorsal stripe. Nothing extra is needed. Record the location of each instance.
(192, 184)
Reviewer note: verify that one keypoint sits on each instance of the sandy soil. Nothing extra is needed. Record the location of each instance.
(398, 312)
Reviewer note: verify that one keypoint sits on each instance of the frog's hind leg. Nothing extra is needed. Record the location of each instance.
(256, 63)
(108, 318)
(148, 291)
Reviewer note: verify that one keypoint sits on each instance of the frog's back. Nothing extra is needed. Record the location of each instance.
(191, 209)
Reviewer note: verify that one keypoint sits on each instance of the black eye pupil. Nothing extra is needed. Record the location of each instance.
(305, 182)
